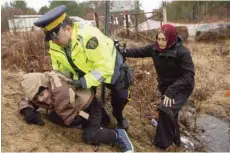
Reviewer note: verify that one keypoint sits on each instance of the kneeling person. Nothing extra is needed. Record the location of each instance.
(69, 107)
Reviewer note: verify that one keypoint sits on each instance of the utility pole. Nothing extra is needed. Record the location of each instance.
(105, 116)
(164, 11)
(106, 32)
(106, 29)
(136, 19)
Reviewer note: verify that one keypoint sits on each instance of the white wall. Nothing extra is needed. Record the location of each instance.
(22, 24)
(26, 23)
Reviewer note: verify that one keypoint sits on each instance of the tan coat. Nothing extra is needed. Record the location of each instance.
(67, 102)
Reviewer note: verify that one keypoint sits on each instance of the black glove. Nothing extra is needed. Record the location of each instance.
(32, 117)
(76, 83)
(78, 120)
(121, 49)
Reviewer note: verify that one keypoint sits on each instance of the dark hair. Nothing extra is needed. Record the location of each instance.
(40, 90)
(68, 21)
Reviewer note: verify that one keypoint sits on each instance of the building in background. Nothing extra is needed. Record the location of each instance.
(23, 23)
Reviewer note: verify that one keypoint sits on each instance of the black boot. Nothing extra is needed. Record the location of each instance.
(123, 124)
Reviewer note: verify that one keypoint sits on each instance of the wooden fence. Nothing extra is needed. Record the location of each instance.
(130, 29)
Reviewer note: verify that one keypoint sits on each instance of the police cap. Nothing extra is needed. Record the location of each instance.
(50, 22)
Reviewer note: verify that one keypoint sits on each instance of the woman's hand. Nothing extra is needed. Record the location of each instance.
(168, 101)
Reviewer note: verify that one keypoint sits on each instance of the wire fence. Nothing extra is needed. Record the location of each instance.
(138, 25)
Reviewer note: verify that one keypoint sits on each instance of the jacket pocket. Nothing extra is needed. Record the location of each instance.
(125, 79)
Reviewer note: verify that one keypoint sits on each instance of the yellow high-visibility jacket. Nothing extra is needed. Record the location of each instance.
(92, 52)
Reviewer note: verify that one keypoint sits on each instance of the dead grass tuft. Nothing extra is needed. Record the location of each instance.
(26, 51)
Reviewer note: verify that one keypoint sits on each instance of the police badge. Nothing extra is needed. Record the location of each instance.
(92, 43)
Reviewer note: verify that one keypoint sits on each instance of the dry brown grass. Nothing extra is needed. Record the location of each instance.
(212, 80)
(212, 77)
(19, 136)
(212, 70)
(26, 51)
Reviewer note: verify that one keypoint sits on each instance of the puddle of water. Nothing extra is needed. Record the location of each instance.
(216, 136)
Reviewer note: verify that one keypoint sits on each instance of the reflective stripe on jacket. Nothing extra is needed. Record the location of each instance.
(92, 52)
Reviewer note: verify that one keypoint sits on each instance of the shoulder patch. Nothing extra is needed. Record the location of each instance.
(92, 43)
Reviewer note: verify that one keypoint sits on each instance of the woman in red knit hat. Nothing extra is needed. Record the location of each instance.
(175, 76)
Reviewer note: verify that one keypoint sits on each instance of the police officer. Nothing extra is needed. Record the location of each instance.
(88, 56)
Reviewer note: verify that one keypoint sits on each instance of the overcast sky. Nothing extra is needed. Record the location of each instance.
(147, 5)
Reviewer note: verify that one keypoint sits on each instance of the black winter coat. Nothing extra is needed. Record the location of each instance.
(175, 68)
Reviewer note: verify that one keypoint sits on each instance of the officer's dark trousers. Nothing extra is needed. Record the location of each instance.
(93, 132)
(168, 128)
(119, 99)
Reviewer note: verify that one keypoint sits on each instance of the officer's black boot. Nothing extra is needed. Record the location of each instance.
(123, 124)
